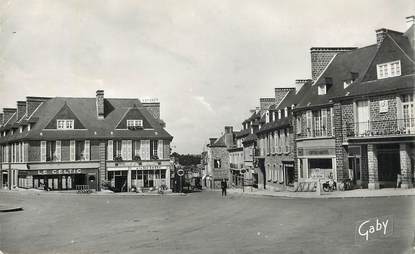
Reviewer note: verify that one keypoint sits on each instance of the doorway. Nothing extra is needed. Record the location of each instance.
(389, 165)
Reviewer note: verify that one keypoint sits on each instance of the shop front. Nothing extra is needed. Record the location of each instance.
(124, 179)
(316, 162)
(289, 176)
(58, 179)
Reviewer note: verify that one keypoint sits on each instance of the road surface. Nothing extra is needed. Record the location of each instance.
(198, 223)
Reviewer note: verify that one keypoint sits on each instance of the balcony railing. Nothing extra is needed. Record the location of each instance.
(381, 128)
(313, 133)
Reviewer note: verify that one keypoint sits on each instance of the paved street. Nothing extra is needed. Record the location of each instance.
(198, 223)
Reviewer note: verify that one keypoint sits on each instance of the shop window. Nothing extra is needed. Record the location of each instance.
(320, 163)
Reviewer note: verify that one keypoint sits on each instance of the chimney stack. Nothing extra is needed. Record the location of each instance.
(32, 103)
(380, 36)
(322, 56)
(100, 104)
(8, 113)
(21, 109)
(228, 136)
(153, 106)
(410, 21)
(265, 103)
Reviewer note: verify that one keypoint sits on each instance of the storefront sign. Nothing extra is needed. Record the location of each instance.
(60, 171)
(146, 167)
(315, 151)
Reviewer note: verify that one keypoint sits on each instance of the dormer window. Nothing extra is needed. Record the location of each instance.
(134, 123)
(286, 112)
(387, 70)
(20, 129)
(279, 114)
(322, 89)
(65, 124)
(268, 117)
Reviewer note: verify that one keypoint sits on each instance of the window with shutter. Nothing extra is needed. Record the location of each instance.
(58, 150)
(160, 149)
(309, 116)
(137, 148)
(43, 151)
(124, 149)
(110, 150)
(324, 121)
(87, 150)
(145, 149)
(72, 150)
(129, 148)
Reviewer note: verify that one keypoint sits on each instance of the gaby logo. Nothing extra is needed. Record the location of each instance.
(374, 228)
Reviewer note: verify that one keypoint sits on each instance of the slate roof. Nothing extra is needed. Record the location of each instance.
(339, 70)
(279, 123)
(243, 133)
(85, 110)
(250, 138)
(220, 142)
(380, 86)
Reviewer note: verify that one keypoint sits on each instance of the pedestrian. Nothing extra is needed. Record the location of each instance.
(223, 186)
(398, 180)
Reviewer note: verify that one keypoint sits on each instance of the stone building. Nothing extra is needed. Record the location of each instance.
(62, 143)
(276, 140)
(217, 158)
(375, 118)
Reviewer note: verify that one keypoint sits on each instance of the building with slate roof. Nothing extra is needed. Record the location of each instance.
(276, 141)
(217, 159)
(63, 142)
(375, 114)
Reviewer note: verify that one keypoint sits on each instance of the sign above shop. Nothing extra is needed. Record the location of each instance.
(60, 171)
(145, 167)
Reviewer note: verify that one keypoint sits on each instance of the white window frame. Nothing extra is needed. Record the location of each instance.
(43, 151)
(298, 124)
(65, 124)
(110, 150)
(160, 149)
(58, 148)
(389, 69)
(134, 123)
(87, 150)
(72, 150)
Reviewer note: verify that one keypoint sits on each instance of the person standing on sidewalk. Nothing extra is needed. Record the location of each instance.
(398, 180)
(223, 186)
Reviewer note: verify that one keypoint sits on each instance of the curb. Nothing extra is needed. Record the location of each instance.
(101, 194)
(319, 196)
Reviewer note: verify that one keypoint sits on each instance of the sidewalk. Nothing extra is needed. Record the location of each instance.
(98, 193)
(358, 193)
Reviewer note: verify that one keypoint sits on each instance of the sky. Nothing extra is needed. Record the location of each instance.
(208, 62)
